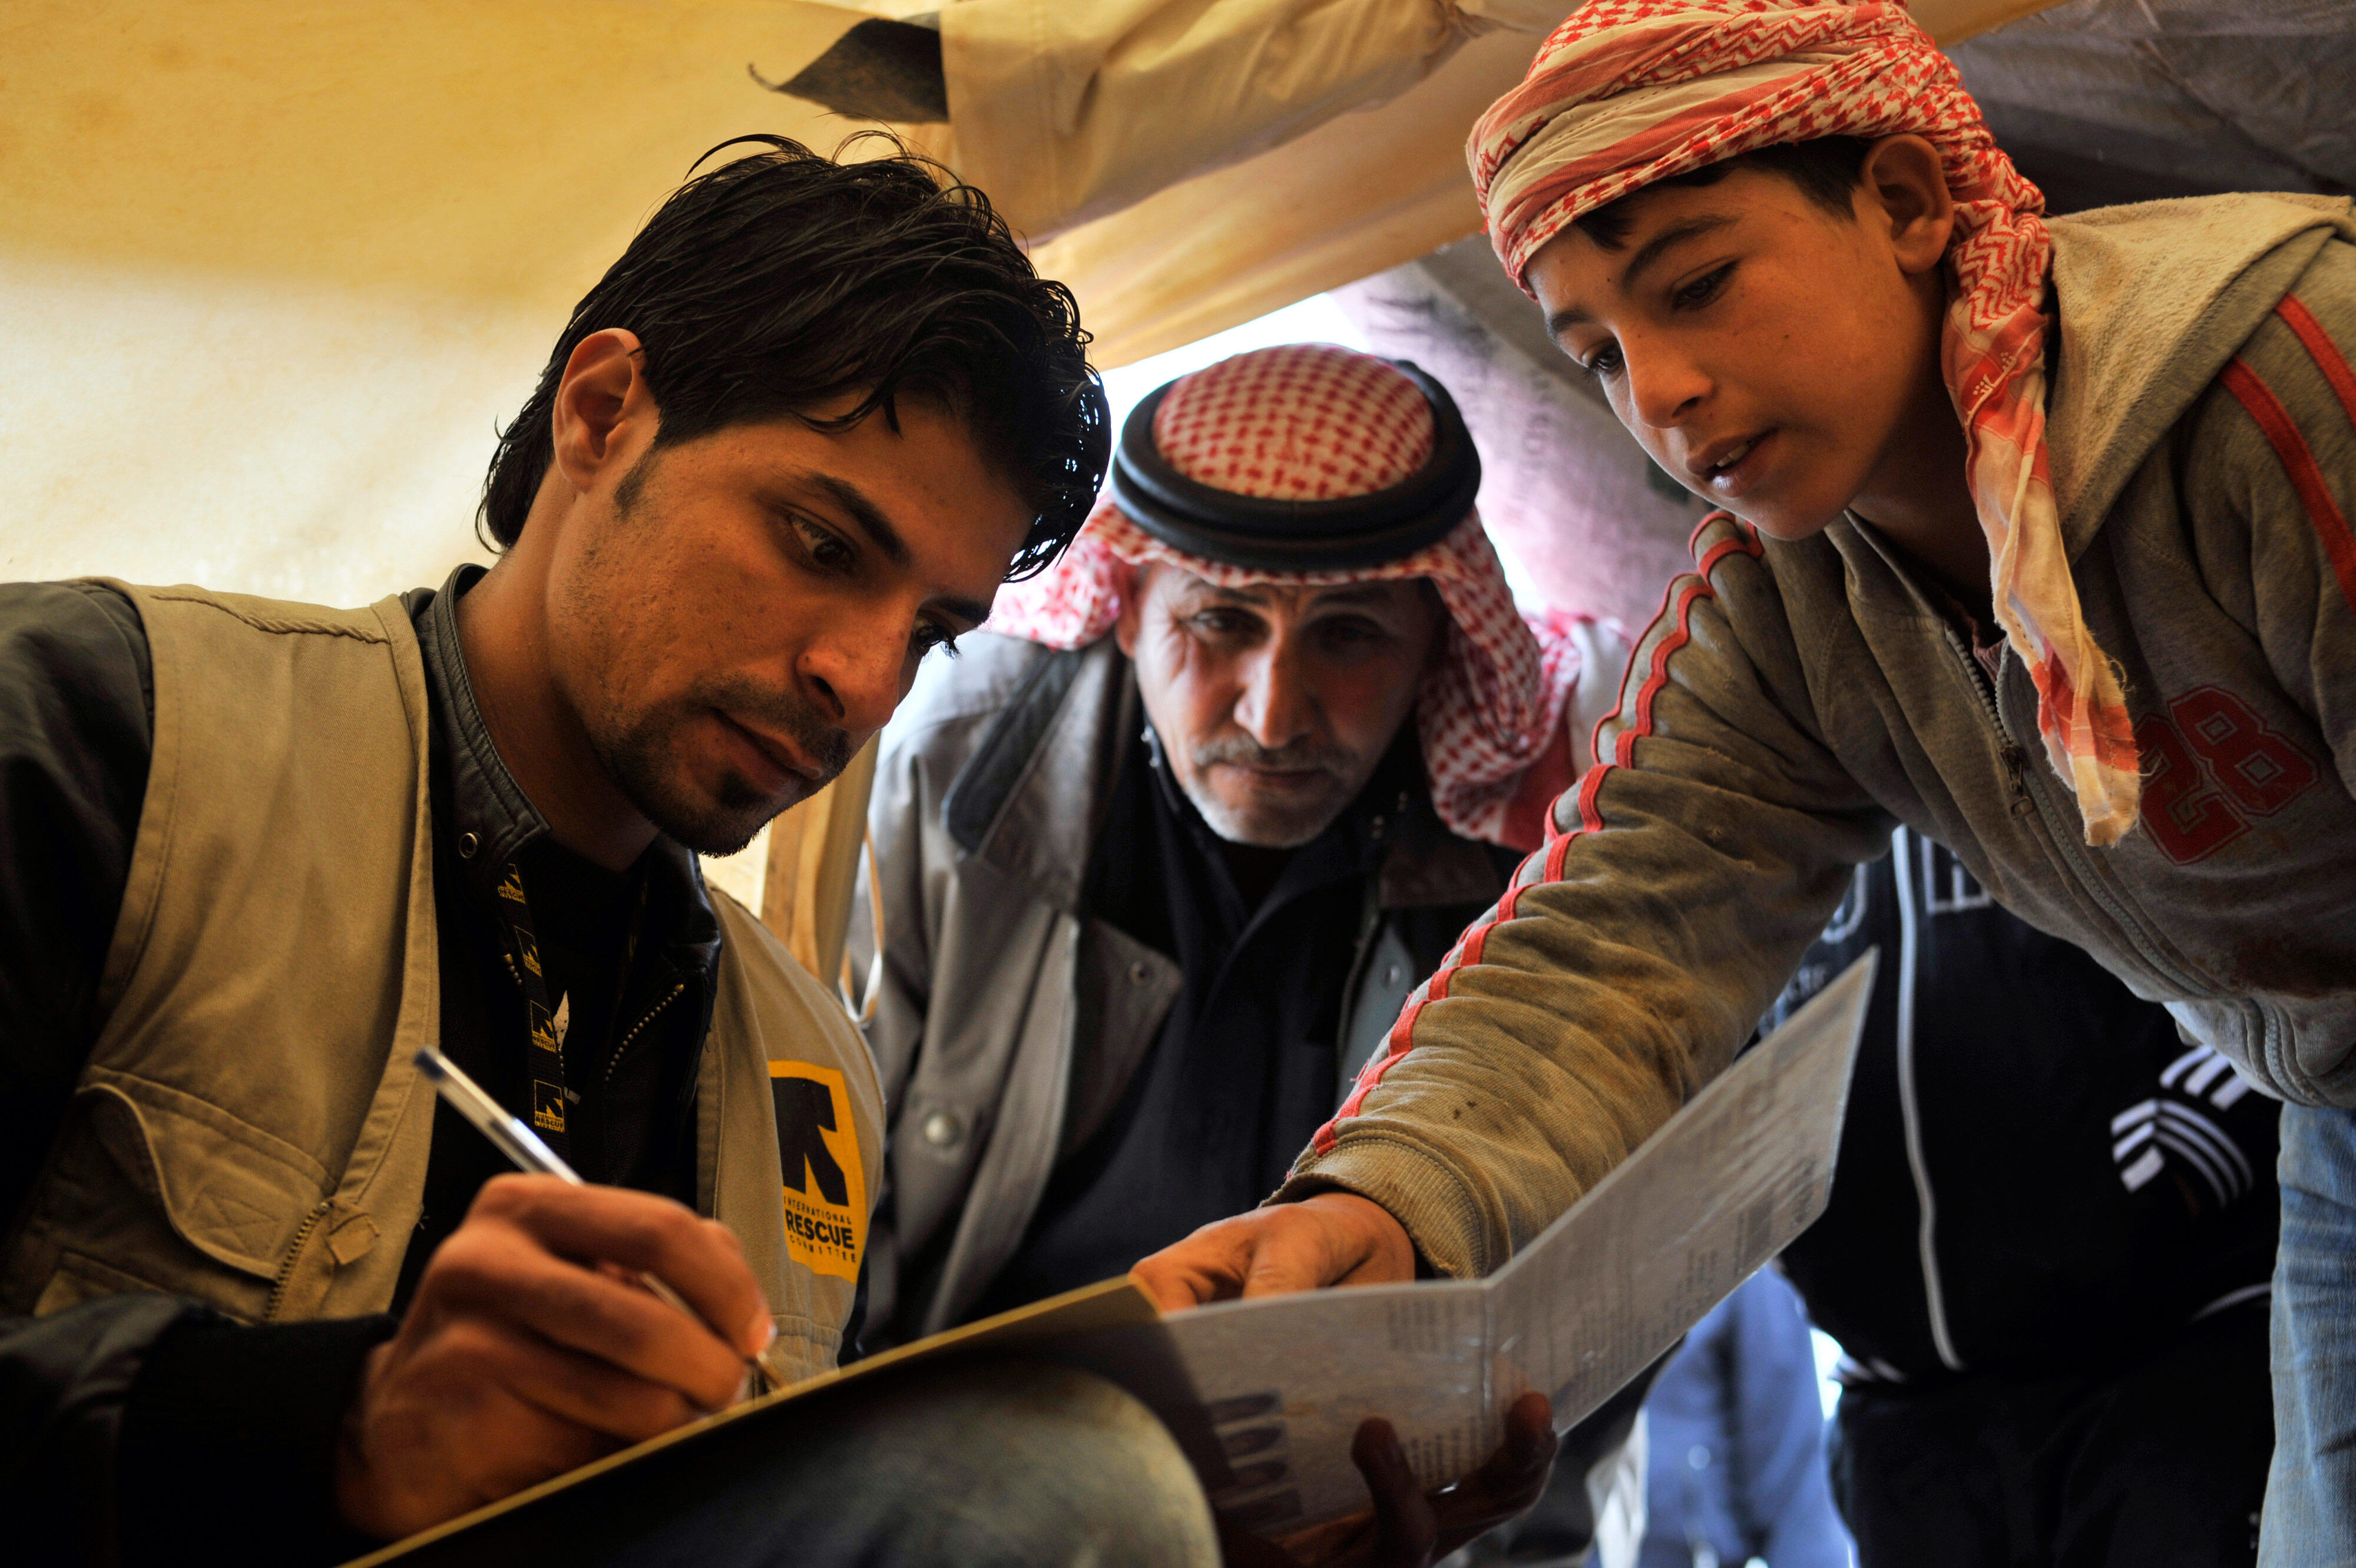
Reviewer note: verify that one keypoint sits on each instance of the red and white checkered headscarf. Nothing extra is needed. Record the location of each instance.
(1316, 422)
(1628, 92)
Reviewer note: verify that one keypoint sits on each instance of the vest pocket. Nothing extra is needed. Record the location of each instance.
(234, 1193)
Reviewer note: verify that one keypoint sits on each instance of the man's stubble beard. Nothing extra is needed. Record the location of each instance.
(640, 754)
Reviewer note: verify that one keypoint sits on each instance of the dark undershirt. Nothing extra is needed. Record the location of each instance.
(1244, 1069)
(596, 930)
(581, 915)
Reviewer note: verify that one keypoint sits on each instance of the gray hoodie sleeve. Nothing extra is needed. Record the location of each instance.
(1632, 957)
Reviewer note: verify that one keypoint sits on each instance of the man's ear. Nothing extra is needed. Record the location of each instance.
(1903, 181)
(600, 403)
(1132, 611)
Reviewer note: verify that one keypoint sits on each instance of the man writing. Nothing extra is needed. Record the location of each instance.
(270, 1303)
(2044, 553)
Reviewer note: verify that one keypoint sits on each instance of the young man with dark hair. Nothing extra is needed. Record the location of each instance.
(2043, 552)
(273, 1302)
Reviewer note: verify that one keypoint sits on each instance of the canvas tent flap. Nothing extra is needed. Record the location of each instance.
(1068, 112)
(1186, 165)
(1359, 193)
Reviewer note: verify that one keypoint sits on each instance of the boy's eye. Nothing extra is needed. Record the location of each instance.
(1602, 364)
(1699, 291)
(931, 634)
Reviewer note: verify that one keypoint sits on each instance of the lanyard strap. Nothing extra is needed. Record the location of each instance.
(546, 1024)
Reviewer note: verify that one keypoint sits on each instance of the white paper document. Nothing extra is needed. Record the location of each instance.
(1719, 1189)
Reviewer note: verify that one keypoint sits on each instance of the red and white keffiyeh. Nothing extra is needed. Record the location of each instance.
(1317, 422)
(1628, 92)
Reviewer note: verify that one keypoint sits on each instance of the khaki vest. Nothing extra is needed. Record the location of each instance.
(251, 1130)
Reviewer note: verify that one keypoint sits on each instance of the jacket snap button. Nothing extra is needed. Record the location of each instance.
(1138, 973)
(467, 845)
(941, 1129)
(1391, 975)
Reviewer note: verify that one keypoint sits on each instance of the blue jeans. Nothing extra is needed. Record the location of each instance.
(2310, 1517)
(991, 1465)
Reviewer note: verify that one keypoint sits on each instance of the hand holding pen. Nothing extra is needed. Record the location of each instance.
(529, 1350)
(525, 1150)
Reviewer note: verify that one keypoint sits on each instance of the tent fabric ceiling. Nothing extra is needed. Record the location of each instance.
(277, 267)
(1104, 129)
(2101, 102)
(1187, 165)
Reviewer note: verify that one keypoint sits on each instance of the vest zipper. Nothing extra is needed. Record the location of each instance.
(1370, 920)
(294, 1256)
(620, 1050)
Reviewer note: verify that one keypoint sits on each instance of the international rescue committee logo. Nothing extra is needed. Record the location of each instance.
(818, 1148)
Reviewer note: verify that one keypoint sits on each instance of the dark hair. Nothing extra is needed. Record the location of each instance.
(1827, 169)
(783, 281)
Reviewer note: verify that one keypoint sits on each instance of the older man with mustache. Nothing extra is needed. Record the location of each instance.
(1159, 862)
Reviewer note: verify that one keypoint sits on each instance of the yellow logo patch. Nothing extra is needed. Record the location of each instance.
(818, 1148)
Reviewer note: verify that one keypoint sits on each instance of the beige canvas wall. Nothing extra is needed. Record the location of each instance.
(270, 270)
(1367, 180)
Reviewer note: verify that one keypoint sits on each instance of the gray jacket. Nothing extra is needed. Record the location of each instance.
(1007, 1020)
(1795, 701)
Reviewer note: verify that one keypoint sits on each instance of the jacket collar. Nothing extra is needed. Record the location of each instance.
(1879, 573)
(491, 821)
(1031, 800)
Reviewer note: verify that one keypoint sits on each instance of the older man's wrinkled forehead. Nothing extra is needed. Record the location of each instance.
(1372, 593)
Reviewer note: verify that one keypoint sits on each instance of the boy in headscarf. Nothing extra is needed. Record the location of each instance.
(2043, 551)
